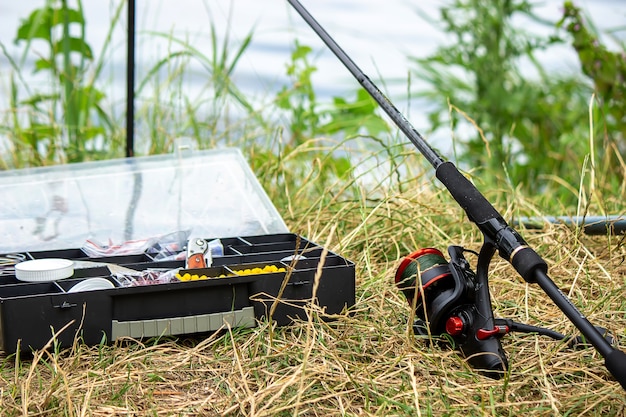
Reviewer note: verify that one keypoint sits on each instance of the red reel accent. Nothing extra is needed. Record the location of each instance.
(455, 326)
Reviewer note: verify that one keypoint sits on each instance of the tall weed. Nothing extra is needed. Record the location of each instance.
(511, 127)
(65, 121)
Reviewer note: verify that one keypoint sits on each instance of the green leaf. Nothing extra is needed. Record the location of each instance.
(91, 132)
(59, 16)
(342, 165)
(36, 26)
(375, 125)
(39, 98)
(300, 52)
(74, 45)
(42, 64)
(38, 132)
(352, 117)
(282, 99)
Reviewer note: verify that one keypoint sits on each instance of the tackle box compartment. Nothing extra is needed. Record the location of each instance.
(259, 277)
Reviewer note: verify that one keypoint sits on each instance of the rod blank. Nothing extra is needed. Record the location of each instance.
(403, 124)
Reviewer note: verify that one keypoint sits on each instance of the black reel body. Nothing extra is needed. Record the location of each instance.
(451, 301)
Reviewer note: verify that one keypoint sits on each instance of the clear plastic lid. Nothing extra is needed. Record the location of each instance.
(210, 193)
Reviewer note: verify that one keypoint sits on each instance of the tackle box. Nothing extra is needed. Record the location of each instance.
(258, 277)
(264, 271)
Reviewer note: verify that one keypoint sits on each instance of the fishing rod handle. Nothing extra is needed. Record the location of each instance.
(511, 246)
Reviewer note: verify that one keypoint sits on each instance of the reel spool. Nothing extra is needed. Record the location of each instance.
(438, 293)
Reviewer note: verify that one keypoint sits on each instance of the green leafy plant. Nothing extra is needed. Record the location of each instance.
(66, 122)
(299, 99)
(310, 118)
(607, 71)
(324, 133)
(530, 125)
(606, 68)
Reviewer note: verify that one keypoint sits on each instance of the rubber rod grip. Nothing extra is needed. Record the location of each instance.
(465, 193)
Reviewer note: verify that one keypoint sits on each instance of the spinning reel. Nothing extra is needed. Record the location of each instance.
(452, 301)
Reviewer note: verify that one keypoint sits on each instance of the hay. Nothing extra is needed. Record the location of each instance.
(363, 363)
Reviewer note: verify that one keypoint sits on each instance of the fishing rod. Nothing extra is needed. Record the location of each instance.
(462, 305)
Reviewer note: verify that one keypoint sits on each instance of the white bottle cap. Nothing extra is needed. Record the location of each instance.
(41, 270)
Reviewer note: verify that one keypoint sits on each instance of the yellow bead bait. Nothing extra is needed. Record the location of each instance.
(189, 277)
(267, 269)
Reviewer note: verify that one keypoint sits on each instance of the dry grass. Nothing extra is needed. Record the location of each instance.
(366, 363)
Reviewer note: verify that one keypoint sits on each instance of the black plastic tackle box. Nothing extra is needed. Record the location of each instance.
(254, 278)
(200, 193)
